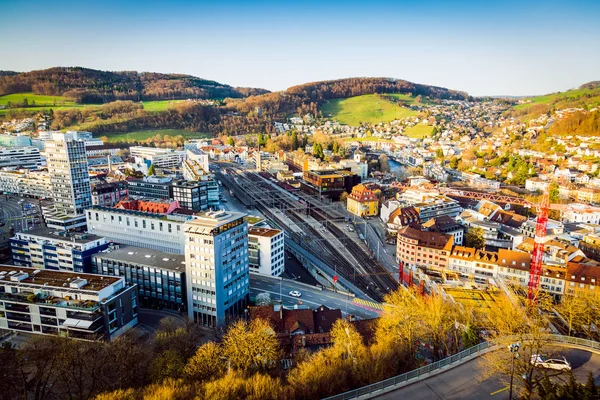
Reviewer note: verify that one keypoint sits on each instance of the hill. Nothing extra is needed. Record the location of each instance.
(310, 97)
(87, 86)
(369, 108)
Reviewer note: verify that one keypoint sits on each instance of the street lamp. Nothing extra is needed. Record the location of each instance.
(514, 353)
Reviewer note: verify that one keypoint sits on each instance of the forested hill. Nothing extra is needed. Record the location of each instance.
(85, 85)
(309, 97)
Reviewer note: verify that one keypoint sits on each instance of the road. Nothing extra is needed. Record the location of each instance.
(467, 382)
(12, 212)
(311, 297)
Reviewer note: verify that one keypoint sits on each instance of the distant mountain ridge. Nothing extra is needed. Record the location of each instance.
(85, 85)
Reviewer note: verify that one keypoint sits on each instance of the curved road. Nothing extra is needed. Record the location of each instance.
(466, 382)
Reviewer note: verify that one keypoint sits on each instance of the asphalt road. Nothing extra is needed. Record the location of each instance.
(11, 212)
(467, 382)
(311, 297)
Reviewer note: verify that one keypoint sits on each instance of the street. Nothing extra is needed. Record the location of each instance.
(466, 381)
(279, 289)
(11, 212)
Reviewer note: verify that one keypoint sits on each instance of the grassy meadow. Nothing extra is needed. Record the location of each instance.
(370, 108)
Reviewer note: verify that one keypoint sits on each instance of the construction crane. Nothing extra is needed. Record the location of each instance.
(541, 226)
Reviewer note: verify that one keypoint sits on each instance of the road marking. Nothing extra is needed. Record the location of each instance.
(368, 303)
(499, 391)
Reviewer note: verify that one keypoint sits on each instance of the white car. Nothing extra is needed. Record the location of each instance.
(560, 364)
(295, 293)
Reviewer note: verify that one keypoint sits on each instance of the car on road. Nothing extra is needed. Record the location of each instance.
(350, 228)
(295, 293)
(361, 236)
(559, 363)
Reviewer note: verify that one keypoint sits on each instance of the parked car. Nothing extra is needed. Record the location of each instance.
(350, 228)
(560, 363)
(295, 293)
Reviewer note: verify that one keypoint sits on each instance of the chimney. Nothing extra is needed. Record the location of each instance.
(281, 311)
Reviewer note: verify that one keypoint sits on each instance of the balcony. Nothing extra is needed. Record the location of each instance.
(18, 317)
(87, 305)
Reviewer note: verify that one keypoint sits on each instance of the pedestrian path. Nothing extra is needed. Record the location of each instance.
(367, 303)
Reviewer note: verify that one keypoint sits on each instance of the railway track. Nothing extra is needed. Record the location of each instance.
(357, 266)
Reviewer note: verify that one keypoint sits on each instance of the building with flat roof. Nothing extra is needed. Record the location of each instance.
(159, 276)
(20, 157)
(26, 183)
(191, 195)
(266, 251)
(161, 158)
(162, 232)
(69, 179)
(217, 270)
(79, 306)
(58, 250)
(109, 193)
(151, 187)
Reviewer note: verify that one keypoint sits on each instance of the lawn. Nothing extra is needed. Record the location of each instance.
(368, 108)
(476, 299)
(592, 98)
(39, 99)
(160, 105)
(407, 99)
(143, 135)
(419, 131)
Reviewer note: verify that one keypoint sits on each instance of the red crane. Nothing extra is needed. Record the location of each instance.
(535, 270)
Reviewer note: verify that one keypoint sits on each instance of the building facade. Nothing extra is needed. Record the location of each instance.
(217, 270)
(108, 194)
(266, 251)
(79, 306)
(34, 184)
(20, 157)
(160, 277)
(137, 228)
(191, 195)
(416, 248)
(362, 202)
(152, 187)
(162, 158)
(58, 250)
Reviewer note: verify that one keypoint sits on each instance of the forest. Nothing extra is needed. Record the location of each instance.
(86, 86)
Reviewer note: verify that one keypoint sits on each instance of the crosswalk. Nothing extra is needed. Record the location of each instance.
(367, 303)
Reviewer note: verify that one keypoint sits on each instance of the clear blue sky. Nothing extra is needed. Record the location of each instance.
(482, 47)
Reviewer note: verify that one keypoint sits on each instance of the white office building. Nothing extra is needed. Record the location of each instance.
(162, 158)
(26, 183)
(265, 249)
(217, 271)
(138, 228)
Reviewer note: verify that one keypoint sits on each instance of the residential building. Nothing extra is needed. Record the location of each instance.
(161, 158)
(69, 180)
(217, 271)
(437, 207)
(583, 275)
(28, 183)
(160, 277)
(195, 166)
(590, 245)
(68, 304)
(149, 206)
(108, 194)
(554, 228)
(15, 140)
(162, 232)
(417, 248)
(266, 251)
(536, 185)
(151, 187)
(387, 207)
(401, 217)
(587, 195)
(581, 213)
(447, 225)
(58, 250)
(362, 202)
(191, 195)
(20, 157)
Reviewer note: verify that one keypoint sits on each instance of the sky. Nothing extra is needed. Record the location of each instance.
(481, 47)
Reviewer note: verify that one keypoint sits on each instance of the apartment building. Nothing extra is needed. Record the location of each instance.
(195, 167)
(28, 183)
(580, 213)
(20, 157)
(138, 228)
(217, 269)
(446, 225)
(266, 251)
(362, 202)
(108, 194)
(583, 275)
(590, 245)
(79, 306)
(58, 250)
(160, 277)
(417, 248)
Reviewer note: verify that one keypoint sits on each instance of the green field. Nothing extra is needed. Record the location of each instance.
(419, 131)
(159, 105)
(368, 108)
(143, 135)
(407, 99)
(591, 97)
(39, 99)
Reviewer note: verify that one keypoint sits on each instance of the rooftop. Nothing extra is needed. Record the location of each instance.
(80, 238)
(56, 279)
(427, 239)
(209, 221)
(265, 232)
(147, 257)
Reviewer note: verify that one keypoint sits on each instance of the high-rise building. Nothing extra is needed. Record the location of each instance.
(217, 270)
(69, 179)
(265, 249)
